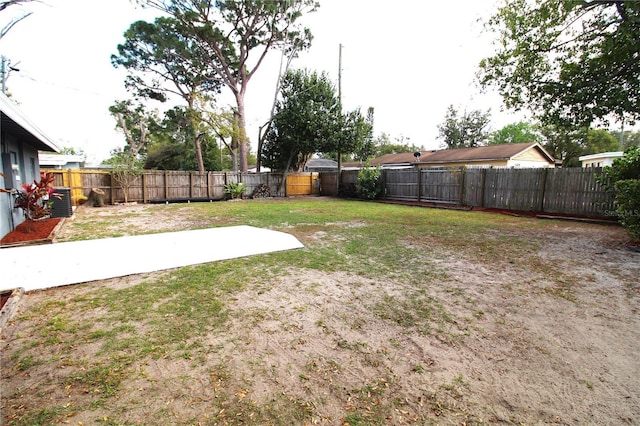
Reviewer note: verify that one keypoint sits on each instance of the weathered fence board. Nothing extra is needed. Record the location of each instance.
(572, 191)
(329, 183)
(568, 191)
(576, 191)
(401, 184)
(170, 185)
(513, 189)
(441, 185)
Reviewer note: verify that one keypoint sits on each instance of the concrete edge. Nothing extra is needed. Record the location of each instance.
(10, 306)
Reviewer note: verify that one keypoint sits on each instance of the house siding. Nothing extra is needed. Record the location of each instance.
(493, 163)
(530, 158)
(27, 157)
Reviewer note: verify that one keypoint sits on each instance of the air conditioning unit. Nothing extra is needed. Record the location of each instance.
(62, 207)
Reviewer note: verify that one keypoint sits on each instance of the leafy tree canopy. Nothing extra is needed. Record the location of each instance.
(384, 145)
(569, 143)
(464, 130)
(163, 52)
(171, 148)
(627, 139)
(520, 132)
(306, 121)
(569, 61)
(237, 35)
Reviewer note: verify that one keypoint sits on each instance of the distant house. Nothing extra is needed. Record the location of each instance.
(20, 141)
(316, 165)
(522, 155)
(60, 161)
(600, 160)
(401, 160)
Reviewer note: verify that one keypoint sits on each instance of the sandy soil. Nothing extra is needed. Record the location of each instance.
(522, 348)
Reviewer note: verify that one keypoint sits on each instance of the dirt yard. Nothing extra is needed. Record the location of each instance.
(555, 342)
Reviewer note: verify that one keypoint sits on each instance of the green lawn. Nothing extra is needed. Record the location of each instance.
(200, 345)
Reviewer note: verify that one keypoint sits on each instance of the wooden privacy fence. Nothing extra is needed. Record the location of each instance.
(573, 191)
(171, 186)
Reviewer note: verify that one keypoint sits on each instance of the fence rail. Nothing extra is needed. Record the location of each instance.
(170, 186)
(572, 191)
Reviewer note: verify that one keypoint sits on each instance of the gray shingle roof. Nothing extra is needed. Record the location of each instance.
(13, 120)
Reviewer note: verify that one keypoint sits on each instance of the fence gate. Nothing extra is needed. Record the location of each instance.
(303, 184)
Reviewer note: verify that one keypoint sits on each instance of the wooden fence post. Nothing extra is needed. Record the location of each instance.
(166, 185)
(208, 185)
(144, 189)
(483, 182)
(543, 187)
(463, 172)
(419, 183)
(112, 189)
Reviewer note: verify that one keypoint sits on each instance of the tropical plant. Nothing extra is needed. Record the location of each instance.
(234, 190)
(35, 199)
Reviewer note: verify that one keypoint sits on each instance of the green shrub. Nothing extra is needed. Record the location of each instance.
(628, 205)
(626, 167)
(234, 190)
(623, 177)
(369, 185)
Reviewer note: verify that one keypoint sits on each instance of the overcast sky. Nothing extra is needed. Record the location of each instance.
(408, 59)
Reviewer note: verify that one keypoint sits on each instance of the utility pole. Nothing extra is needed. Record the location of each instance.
(340, 75)
(3, 74)
(339, 179)
(5, 68)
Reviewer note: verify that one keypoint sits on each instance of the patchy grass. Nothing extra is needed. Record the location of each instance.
(109, 344)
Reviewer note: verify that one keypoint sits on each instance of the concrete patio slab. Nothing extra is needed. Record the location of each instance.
(51, 265)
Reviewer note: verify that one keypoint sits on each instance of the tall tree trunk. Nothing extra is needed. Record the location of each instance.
(242, 132)
(193, 122)
(198, 146)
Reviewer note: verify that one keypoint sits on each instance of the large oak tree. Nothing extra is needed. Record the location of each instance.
(571, 62)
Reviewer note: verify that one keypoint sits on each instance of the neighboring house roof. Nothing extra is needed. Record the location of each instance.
(397, 160)
(14, 121)
(461, 155)
(316, 164)
(58, 160)
(484, 153)
(602, 156)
